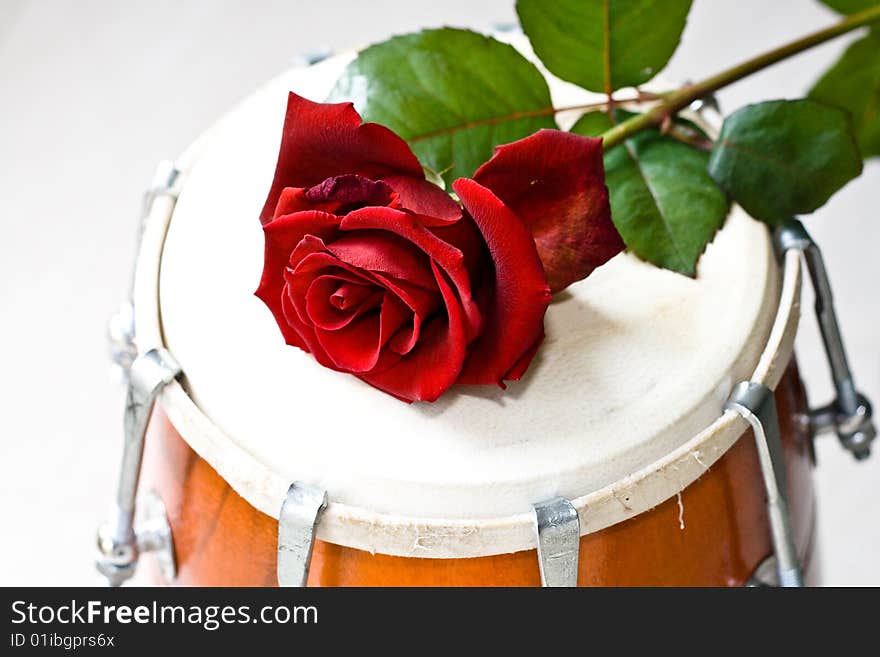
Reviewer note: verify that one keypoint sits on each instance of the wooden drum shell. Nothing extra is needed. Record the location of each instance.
(714, 533)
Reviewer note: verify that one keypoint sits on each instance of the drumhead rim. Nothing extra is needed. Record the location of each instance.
(411, 536)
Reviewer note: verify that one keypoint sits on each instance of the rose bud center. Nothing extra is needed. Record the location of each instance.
(366, 296)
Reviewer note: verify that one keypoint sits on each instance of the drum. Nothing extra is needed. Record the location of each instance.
(623, 419)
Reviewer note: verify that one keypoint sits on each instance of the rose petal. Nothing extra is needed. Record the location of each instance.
(350, 192)
(422, 197)
(350, 295)
(422, 302)
(293, 199)
(519, 368)
(385, 252)
(322, 140)
(300, 278)
(517, 302)
(430, 369)
(356, 347)
(325, 314)
(450, 259)
(305, 333)
(555, 183)
(281, 236)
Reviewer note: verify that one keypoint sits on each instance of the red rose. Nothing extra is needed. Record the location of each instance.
(379, 273)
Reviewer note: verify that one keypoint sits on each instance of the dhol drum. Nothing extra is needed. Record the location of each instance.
(643, 447)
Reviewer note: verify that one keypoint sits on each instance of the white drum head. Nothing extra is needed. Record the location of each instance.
(637, 363)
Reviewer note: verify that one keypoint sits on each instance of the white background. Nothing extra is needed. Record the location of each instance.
(94, 93)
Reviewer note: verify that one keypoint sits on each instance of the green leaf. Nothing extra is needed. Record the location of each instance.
(784, 157)
(603, 45)
(663, 202)
(849, 6)
(452, 94)
(853, 84)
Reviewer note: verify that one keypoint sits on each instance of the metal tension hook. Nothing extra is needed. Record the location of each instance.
(297, 526)
(755, 402)
(849, 415)
(120, 328)
(558, 530)
(120, 542)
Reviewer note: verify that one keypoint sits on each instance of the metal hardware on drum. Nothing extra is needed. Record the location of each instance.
(558, 530)
(765, 575)
(311, 57)
(755, 402)
(163, 184)
(849, 415)
(709, 101)
(120, 327)
(120, 336)
(120, 541)
(297, 524)
(506, 28)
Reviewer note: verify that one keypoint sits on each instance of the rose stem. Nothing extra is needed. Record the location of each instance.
(681, 98)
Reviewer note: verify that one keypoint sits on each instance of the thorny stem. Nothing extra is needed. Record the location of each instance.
(681, 98)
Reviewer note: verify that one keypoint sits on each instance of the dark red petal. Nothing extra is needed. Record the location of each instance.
(322, 140)
(301, 275)
(555, 183)
(406, 338)
(385, 252)
(357, 347)
(421, 302)
(466, 237)
(293, 199)
(430, 369)
(422, 197)
(322, 261)
(305, 332)
(323, 313)
(514, 318)
(281, 236)
(350, 295)
(450, 259)
(519, 368)
(350, 189)
(308, 245)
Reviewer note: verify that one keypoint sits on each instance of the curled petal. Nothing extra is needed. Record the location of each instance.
(425, 198)
(357, 347)
(332, 302)
(449, 258)
(350, 190)
(281, 237)
(555, 183)
(304, 332)
(515, 304)
(384, 252)
(323, 140)
(434, 365)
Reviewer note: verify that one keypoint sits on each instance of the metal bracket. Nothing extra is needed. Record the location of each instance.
(709, 101)
(164, 183)
(119, 541)
(311, 57)
(120, 327)
(297, 524)
(765, 575)
(558, 530)
(755, 402)
(849, 415)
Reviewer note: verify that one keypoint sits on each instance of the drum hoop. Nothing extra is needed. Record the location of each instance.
(411, 536)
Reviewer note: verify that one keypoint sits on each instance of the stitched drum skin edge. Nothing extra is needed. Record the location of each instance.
(432, 537)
